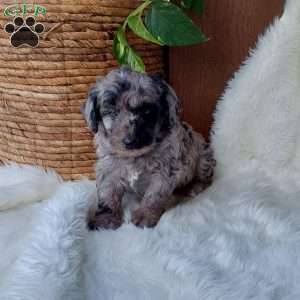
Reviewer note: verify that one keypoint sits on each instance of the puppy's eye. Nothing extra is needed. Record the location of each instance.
(149, 111)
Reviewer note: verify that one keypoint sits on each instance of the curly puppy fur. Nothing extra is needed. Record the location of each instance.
(143, 148)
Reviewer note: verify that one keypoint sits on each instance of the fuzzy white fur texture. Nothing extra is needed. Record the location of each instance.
(33, 183)
(239, 240)
(258, 117)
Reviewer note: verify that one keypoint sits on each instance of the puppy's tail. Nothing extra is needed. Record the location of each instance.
(23, 184)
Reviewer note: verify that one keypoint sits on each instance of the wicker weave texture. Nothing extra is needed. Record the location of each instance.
(42, 88)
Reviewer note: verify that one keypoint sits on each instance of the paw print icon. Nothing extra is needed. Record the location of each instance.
(24, 32)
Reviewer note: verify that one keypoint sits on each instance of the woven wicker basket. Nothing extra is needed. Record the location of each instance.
(42, 88)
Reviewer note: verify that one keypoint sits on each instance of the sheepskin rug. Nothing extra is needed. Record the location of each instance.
(240, 239)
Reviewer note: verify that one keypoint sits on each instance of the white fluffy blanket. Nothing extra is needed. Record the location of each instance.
(238, 240)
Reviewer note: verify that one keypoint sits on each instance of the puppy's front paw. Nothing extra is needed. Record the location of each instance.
(105, 221)
(145, 218)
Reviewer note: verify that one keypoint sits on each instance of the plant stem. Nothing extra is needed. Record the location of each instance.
(138, 11)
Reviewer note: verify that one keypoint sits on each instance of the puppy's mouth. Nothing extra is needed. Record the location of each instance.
(134, 143)
(125, 153)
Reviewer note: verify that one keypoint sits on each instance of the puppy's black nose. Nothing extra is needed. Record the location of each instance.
(129, 142)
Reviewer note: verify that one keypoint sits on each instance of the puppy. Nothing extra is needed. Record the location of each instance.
(143, 148)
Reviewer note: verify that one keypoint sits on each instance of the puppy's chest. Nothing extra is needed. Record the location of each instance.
(137, 179)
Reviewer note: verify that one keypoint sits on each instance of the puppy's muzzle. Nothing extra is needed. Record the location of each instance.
(130, 142)
(137, 138)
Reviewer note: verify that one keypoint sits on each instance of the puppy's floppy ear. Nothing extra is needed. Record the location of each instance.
(91, 110)
(169, 104)
(168, 93)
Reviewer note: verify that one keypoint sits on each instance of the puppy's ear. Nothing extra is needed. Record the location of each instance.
(157, 77)
(168, 93)
(169, 105)
(91, 110)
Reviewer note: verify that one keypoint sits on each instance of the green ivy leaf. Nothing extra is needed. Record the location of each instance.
(134, 61)
(124, 54)
(195, 5)
(167, 23)
(136, 24)
(119, 45)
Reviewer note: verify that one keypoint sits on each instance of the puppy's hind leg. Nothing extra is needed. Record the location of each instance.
(204, 171)
(205, 167)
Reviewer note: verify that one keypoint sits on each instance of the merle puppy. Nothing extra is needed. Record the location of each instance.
(143, 148)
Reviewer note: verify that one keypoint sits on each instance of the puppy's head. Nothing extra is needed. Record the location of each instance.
(133, 111)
